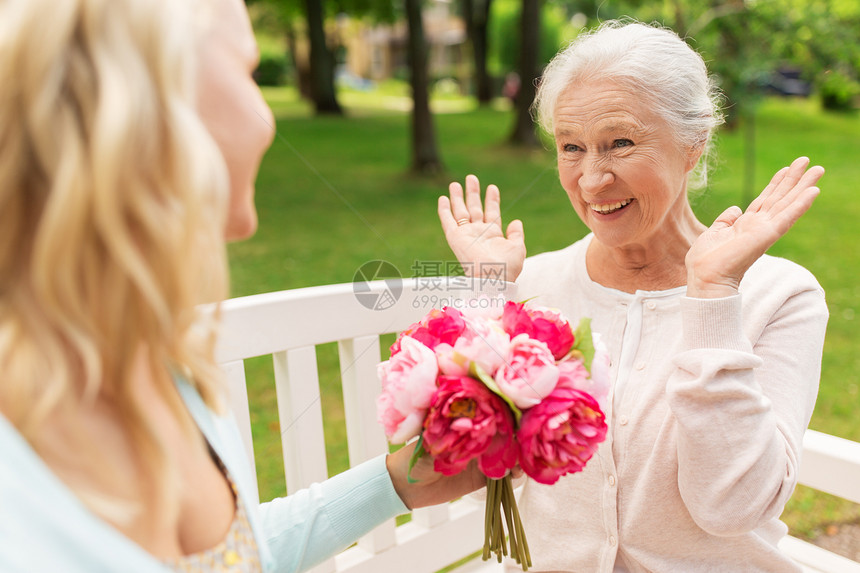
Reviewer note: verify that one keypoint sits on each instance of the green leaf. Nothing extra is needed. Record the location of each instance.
(417, 454)
(475, 371)
(583, 343)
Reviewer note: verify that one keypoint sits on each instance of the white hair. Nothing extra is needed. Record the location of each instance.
(654, 63)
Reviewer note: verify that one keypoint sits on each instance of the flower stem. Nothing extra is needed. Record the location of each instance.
(500, 498)
(488, 515)
(506, 507)
(498, 529)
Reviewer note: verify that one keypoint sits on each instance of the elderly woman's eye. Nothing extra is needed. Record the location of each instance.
(570, 147)
(622, 143)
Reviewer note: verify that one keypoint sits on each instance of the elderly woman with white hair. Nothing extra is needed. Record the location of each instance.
(716, 347)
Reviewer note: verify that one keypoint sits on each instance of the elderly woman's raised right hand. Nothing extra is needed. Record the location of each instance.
(474, 232)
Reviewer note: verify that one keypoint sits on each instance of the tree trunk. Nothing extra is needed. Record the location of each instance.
(524, 127)
(477, 16)
(732, 59)
(749, 156)
(425, 157)
(680, 19)
(322, 62)
(300, 69)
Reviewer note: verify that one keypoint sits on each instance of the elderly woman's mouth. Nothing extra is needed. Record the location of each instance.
(607, 208)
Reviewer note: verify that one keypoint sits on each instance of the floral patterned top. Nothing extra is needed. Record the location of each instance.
(237, 553)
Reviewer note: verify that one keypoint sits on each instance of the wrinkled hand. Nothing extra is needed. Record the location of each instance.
(430, 487)
(721, 255)
(475, 234)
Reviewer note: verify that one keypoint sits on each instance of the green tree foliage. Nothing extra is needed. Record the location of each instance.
(744, 41)
(824, 40)
(556, 30)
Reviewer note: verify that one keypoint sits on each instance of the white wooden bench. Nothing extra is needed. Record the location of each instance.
(288, 325)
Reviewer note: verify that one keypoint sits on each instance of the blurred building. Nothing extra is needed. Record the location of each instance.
(378, 52)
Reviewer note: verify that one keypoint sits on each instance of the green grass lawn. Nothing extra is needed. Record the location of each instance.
(334, 193)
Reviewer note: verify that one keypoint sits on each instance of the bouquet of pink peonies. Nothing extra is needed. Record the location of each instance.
(513, 385)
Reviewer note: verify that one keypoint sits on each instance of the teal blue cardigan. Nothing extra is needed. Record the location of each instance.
(44, 527)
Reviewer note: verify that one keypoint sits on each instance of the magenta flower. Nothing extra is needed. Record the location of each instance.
(467, 421)
(542, 324)
(438, 327)
(408, 384)
(529, 373)
(559, 435)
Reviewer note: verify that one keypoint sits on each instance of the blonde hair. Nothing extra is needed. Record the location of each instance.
(112, 207)
(655, 64)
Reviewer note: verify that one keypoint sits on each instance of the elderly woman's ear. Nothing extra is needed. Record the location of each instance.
(694, 154)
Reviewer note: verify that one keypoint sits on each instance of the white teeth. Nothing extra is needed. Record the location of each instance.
(607, 208)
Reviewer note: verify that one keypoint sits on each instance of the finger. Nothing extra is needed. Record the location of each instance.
(795, 210)
(792, 177)
(492, 206)
(458, 207)
(473, 199)
(446, 217)
(727, 218)
(799, 191)
(515, 232)
(775, 180)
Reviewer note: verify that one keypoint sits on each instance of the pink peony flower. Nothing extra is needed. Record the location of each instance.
(559, 435)
(437, 327)
(408, 384)
(529, 373)
(572, 374)
(451, 363)
(485, 306)
(543, 324)
(467, 421)
(482, 341)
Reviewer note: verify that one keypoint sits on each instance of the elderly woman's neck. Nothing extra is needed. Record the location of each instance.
(654, 265)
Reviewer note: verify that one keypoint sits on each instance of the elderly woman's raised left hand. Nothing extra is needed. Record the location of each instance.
(718, 259)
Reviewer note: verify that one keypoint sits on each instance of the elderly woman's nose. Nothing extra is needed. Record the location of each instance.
(595, 176)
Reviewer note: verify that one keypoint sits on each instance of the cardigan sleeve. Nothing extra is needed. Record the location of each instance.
(742, 406)
(307, 527)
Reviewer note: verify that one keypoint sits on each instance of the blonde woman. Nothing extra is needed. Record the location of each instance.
(131, 135)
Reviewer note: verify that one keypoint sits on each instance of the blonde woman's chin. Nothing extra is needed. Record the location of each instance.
(241, 223)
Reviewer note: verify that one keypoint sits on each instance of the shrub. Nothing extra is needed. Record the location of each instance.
(838, 91)
(272, 70)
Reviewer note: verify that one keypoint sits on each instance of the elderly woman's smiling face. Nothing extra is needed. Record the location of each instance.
(620, 165)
